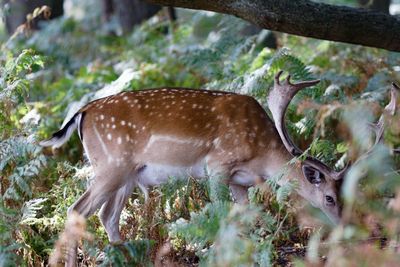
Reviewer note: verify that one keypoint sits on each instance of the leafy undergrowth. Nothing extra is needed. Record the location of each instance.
(48, 75)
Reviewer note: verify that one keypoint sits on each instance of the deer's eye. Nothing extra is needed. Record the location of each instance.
(329, 201)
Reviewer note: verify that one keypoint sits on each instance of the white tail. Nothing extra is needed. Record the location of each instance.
(141, 138)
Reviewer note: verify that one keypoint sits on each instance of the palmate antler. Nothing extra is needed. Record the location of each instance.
(278, 100)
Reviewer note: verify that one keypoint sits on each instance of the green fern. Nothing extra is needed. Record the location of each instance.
(8, 257)
(21, 161)
(132, 253)
(217, 189)
(30, 209)
(203, 226)
(13, 82)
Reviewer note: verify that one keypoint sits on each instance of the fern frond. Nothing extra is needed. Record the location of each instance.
(132, 253)
(30, 209)
(203, 226)
(218, 190)
(22, 161)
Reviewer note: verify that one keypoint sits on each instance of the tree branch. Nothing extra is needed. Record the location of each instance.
(307, 18)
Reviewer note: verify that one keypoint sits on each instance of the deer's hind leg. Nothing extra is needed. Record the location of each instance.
(105, 186)
(111, 210)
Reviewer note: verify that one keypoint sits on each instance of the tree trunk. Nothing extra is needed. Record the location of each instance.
(133, 12)
(107, 9)
(171, 13)
(307, 18)
(18, 9)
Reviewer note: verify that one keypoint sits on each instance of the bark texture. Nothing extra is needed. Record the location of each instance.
(307, 18)
(133, 12)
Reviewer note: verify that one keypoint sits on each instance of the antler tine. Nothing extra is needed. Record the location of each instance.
(277, 78)
(389, 108)
(394, 93)
(288, 82)
(299, 85)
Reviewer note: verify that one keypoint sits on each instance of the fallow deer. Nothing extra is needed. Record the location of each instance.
(141, 138)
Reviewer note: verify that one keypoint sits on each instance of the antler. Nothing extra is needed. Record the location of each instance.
(278, 100)
(379, 127)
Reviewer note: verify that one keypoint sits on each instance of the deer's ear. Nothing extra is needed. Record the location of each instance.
(314, 176)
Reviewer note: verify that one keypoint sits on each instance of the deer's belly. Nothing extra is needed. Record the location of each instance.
(152, 174)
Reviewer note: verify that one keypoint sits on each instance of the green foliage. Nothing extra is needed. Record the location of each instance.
(227, 234)
(133, 253)
(14, 86)
(21, 161)
(47, 76)
(13, 83)
(203, 226)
